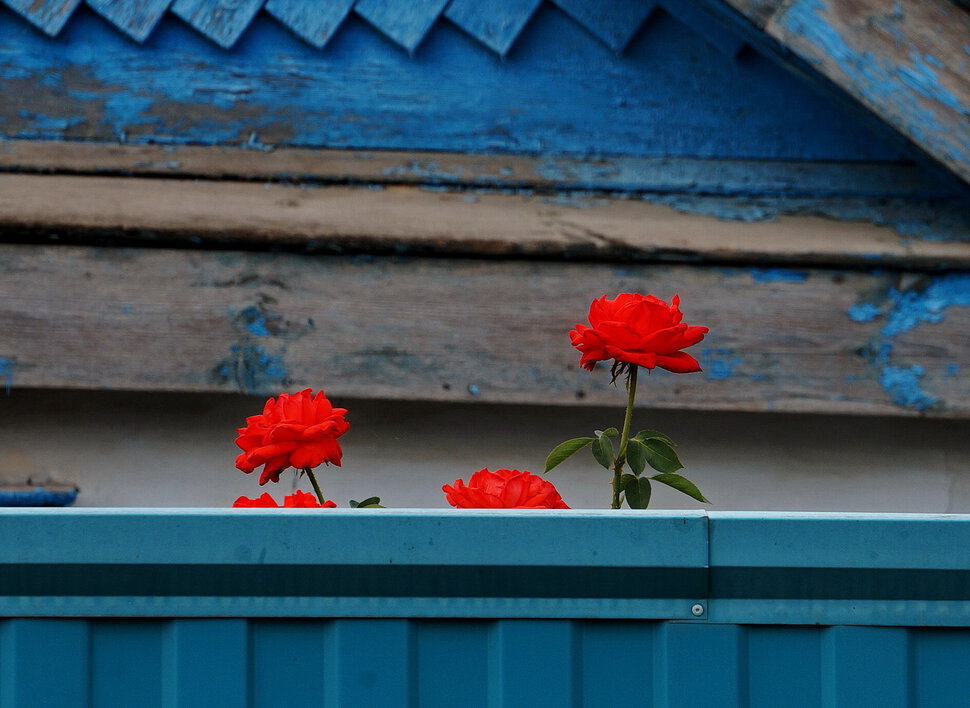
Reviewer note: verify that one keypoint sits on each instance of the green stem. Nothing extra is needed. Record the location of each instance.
(313, 481)
(631, 387)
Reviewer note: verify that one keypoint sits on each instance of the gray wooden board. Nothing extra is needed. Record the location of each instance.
(473, 329)
(413, 220)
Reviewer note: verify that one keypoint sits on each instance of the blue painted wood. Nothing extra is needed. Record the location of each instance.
(563, 93)
(701, 23)
(136, 18)
(222, 21)
(315, 22)
(48, 15)
(495, 24)
(615, 22)
(405, 21)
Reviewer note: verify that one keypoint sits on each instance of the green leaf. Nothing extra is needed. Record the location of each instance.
(681, 484)
(609, 432)
(644, 435)
(637, 492)
(636, 455)
(603, 451)
(661, 456)
(565, 450)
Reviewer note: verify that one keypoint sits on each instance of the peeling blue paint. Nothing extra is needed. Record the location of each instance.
(864, 312)
(252, 369)
(719, 363)
(254, 321)
(951, 370)
(7, 367)
(908, 309)
(778, 275)
(902, 383)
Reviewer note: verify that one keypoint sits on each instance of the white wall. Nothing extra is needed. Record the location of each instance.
(140, 449)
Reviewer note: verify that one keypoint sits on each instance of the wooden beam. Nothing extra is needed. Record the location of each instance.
(414, 220)
(685, 175)
(473, 329)
(906, 61)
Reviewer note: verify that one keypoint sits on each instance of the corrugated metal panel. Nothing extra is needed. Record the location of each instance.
(512, 615)
(98, 663)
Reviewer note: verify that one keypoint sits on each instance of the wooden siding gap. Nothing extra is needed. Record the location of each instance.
(406, 21)
(49, 16)
(312, 21)
(613, 23)
(222, 21)
(495, 24)
(136, 18)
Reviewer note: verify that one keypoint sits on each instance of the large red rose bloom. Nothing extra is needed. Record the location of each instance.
(637, 329)
(298, 430)
(504, 489)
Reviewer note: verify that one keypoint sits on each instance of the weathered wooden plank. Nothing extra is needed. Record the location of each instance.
(222, 21)
(756, 178)
(474, 330)
(136, 19)
(414, 220)
(615, 22)
(313, 21)
(496, 24)
(48, 15)
(908, 62)
(404, 21)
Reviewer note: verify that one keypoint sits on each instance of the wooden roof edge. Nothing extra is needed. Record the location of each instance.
(906, 62)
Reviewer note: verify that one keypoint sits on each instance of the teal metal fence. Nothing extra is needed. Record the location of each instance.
(449, 608)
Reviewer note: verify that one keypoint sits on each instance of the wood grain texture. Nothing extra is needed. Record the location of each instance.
(414, 220)
(615, 23)
(135, 18)
(222, 21)
(312, 21)
(473, 330)
(906, 61)
(562, 92)
(495, 24)
(405, 21)
(755, 178)
(47, 15)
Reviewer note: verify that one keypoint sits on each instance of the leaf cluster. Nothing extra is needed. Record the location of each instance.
(646, 448)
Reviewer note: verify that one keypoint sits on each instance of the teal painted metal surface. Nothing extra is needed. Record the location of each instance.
(547, 649)
(101, 663)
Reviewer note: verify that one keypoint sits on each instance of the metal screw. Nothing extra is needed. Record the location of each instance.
(697, 610)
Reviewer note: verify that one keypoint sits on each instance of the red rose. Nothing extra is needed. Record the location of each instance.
(504, 489)
(298, 430)
(305, 500)
(640, 330)
(263, 500)
(297, 500)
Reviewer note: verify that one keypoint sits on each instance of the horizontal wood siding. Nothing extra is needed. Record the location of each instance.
(474, 330)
